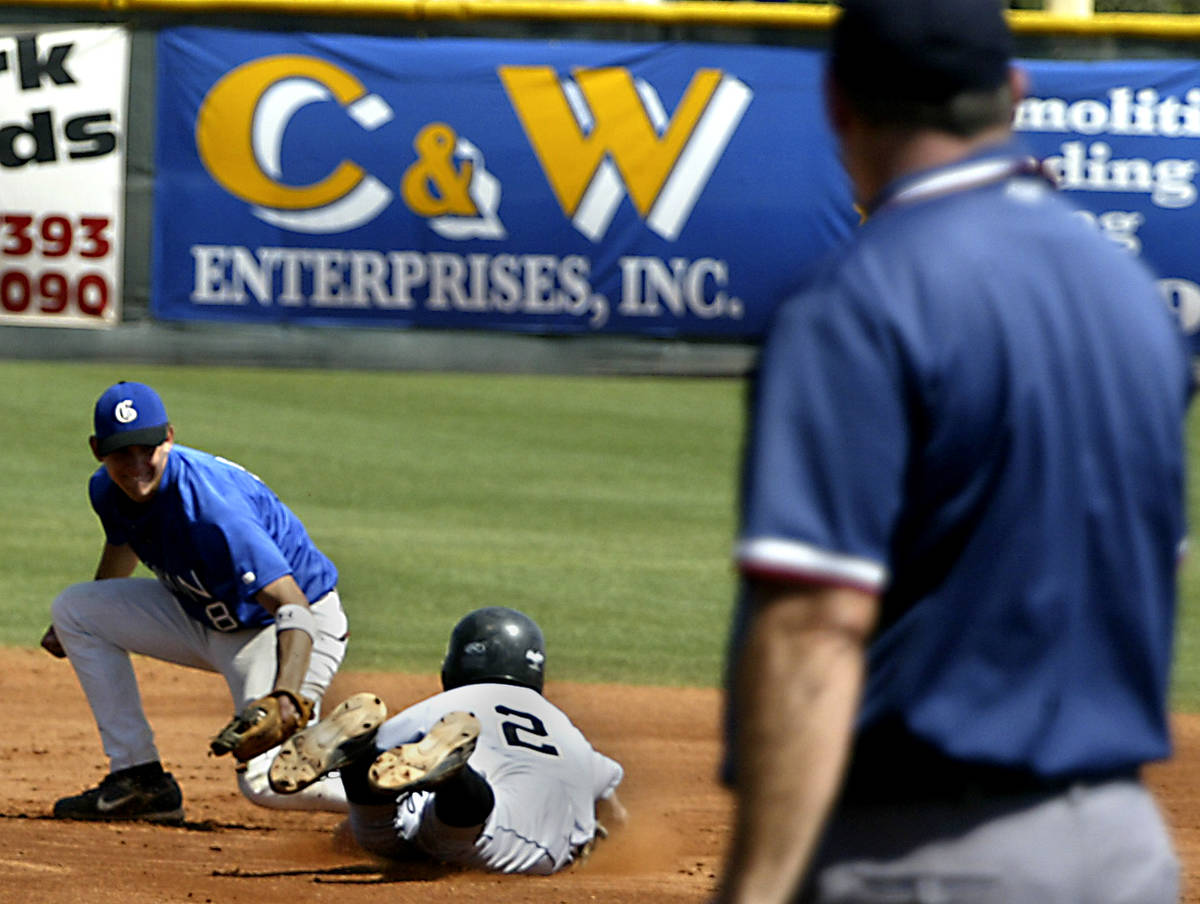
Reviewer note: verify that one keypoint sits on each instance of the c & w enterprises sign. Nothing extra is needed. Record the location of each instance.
(489, 184)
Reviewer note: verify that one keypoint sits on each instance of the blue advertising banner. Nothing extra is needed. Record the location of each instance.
(658, 189)
(1122, 139)
(662, 189)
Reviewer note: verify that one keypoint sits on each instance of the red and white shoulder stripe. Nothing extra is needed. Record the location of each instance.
(788, 560)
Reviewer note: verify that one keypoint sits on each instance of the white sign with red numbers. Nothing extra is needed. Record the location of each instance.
(62, 175)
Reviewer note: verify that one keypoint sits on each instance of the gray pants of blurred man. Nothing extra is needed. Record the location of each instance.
(1089, 844)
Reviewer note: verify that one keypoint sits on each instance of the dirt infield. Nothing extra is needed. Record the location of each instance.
(232, 852)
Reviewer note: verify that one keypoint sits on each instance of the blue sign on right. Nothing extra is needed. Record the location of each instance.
(1122, 139)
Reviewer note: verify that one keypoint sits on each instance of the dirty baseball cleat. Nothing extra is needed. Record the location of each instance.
(128, 794)
(426, 763)
(329, 744)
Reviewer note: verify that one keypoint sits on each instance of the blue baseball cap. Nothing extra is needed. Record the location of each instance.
(129, 414)
(920, 50)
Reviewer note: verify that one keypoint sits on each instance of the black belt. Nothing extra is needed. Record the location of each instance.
(890, 766)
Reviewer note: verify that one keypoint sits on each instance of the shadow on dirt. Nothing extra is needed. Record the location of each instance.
(359, 874)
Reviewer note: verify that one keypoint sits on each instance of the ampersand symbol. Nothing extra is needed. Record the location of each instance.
(432, 186)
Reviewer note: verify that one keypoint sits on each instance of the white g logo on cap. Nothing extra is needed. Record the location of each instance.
(125, 413)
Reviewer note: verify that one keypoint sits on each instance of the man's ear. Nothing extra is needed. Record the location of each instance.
(95, 444)
(837, 109)
(1018, 84)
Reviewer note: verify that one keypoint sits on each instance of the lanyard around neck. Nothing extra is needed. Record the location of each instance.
(963, 177)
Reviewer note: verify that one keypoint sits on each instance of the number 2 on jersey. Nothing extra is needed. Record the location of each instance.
(523, 730)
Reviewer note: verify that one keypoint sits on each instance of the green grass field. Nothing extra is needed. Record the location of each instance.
(603, 506)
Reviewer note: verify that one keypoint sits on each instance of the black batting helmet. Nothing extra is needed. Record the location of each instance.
(495, 644)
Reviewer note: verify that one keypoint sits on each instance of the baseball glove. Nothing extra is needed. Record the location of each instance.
(261, 726)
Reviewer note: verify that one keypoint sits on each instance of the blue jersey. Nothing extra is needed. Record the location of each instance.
(214, 535)
(975, 410)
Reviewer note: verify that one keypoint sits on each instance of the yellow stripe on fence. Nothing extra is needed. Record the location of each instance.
(738, 13)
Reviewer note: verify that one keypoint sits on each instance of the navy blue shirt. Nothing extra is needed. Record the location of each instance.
(214, 535)
(975, 410)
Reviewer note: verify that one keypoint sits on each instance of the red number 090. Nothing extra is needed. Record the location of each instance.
(53, 292)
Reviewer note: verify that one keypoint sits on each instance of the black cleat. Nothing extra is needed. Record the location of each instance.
(126, 795)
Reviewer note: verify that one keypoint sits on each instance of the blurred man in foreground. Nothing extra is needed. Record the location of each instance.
(962, 509)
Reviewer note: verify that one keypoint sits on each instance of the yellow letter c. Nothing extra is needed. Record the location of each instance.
(225, 130)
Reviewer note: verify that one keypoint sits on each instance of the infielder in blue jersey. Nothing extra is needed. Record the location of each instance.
(240, 589)
(962, 509)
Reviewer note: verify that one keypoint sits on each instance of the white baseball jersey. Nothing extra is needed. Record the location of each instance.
(544, 773)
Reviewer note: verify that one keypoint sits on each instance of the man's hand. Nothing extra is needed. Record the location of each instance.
(289, 712)
(264, 723)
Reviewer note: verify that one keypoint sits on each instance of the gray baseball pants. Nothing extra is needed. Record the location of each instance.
(99, 623)
(1090, 844)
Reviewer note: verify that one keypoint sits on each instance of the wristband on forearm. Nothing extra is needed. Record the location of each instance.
(294, 617)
